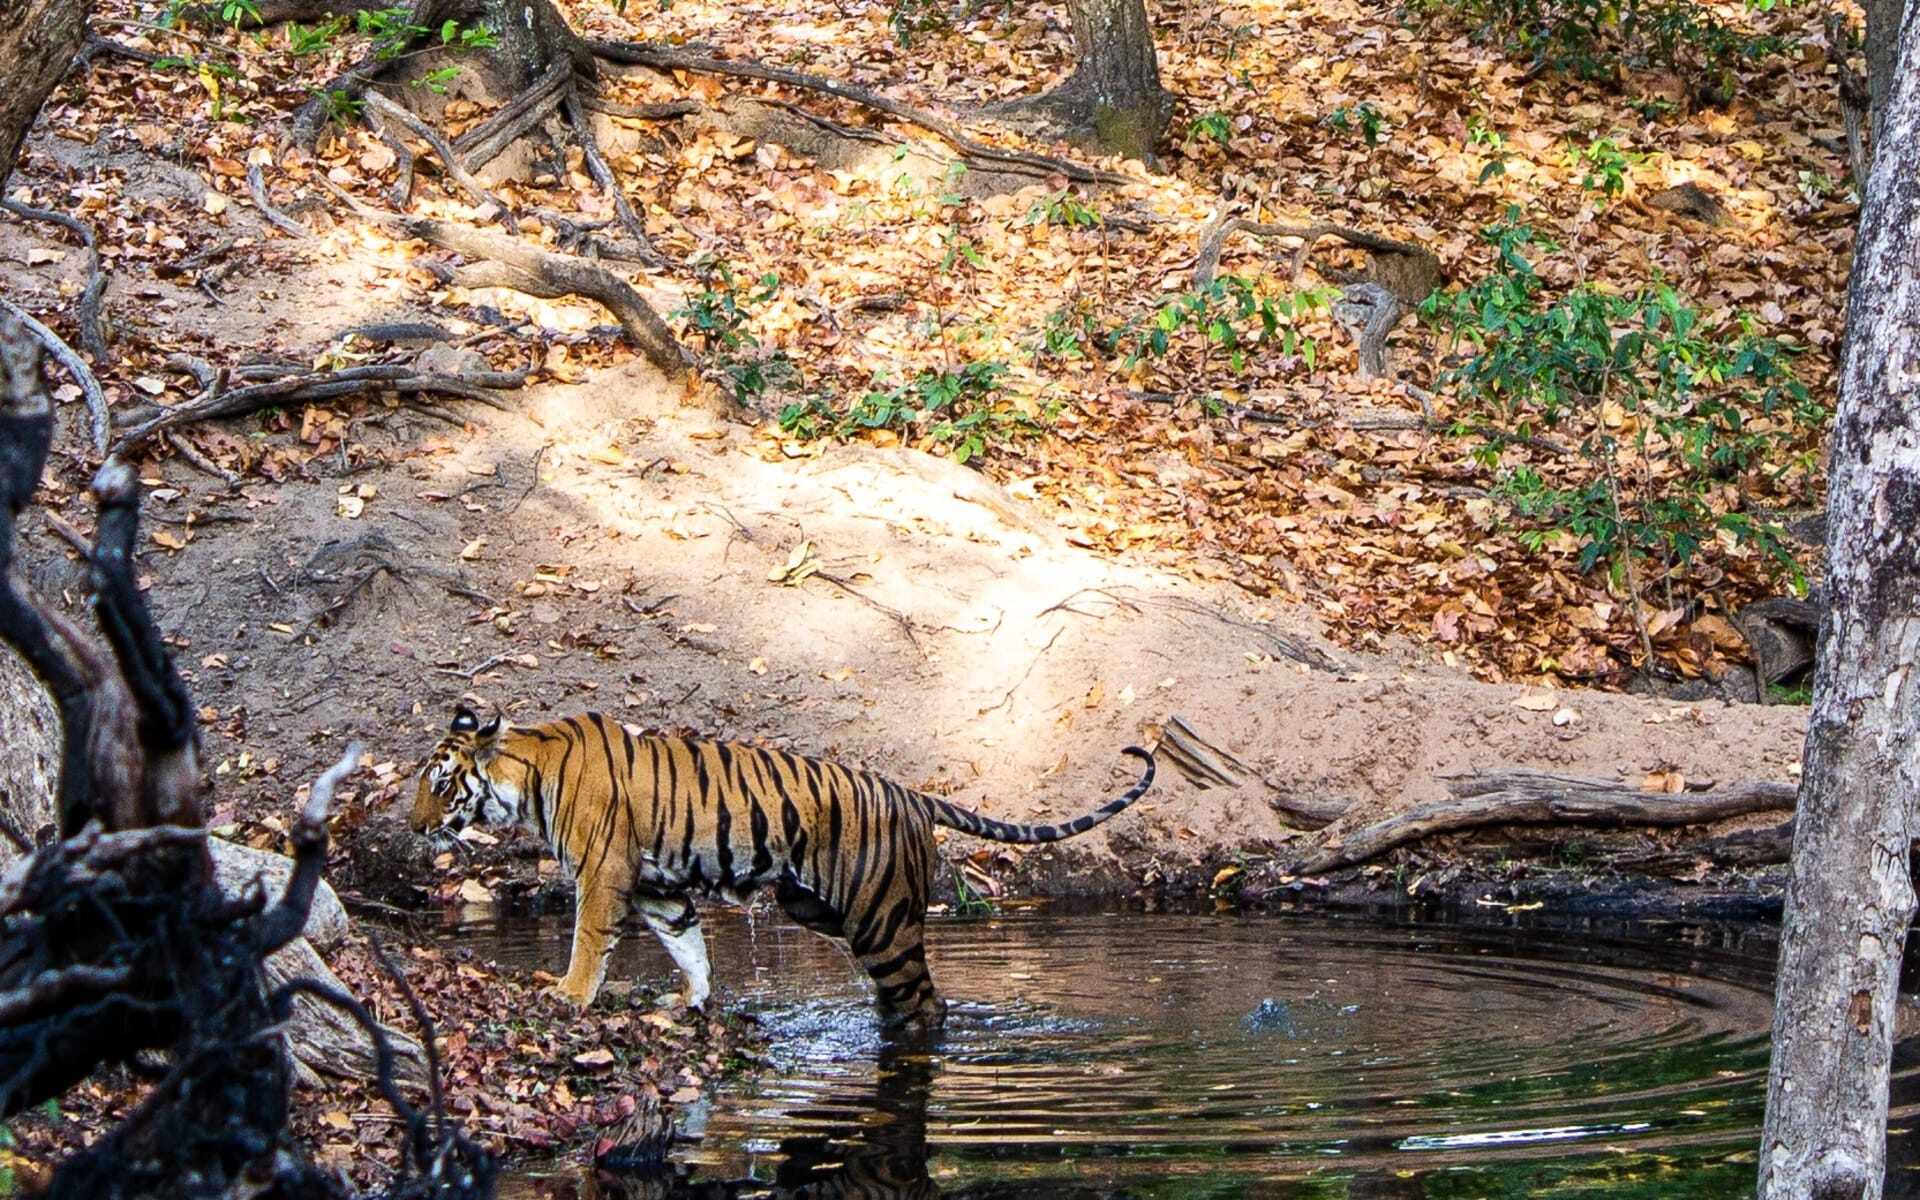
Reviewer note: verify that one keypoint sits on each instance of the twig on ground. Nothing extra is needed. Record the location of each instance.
(185, 450)
(533, 481)
(1024, 675)
(1213, 240)
(76, 366)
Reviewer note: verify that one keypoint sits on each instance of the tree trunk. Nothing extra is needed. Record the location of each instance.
(1883, 52)
(38, 39)
(1851, 897)
(1113, 101)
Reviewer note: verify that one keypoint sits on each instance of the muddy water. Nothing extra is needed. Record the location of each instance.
(1111, 1055)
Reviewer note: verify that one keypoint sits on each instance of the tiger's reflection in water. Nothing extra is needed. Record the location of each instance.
(880, 1154)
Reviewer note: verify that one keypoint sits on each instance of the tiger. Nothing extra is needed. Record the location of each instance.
(643, 823)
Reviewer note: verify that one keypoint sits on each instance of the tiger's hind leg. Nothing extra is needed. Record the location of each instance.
(674, 921)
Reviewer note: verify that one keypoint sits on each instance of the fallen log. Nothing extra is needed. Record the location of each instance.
(1517, 797)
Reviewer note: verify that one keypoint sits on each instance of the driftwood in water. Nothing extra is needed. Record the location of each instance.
(1540, 797)
(1206, 765)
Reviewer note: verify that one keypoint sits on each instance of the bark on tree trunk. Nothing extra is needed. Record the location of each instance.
(38, 39)
(1113, 101)
(29, 752)
(1883, 52)
(1851, 896)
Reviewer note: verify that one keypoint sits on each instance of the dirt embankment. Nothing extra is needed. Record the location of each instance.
(615, 549)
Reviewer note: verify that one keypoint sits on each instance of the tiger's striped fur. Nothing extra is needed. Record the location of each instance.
(644, 823)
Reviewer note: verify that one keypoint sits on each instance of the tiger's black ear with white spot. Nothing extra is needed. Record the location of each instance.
(491, 729)
(464, 721)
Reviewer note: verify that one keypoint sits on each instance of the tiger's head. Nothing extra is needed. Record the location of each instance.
(456, 787)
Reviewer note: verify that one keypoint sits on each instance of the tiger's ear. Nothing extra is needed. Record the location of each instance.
(464, 721)
(491, 730)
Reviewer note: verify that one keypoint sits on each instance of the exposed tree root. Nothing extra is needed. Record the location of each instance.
(101, 422)
(475, 190)
(515, 119)
(257, 189)
(513, 264)
(293, 386)
(636, 54)
(1415, 263)
(1539, 797)
(92, 338)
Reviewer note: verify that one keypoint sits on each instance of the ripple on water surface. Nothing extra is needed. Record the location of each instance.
(1167, 1055)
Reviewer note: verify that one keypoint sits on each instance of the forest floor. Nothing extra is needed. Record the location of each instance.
(1315, 572)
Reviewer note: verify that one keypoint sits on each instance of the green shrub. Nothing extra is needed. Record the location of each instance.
(1705, 405)
(1594, 39)
(963, 409)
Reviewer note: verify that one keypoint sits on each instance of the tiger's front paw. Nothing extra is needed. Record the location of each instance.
(579, 999)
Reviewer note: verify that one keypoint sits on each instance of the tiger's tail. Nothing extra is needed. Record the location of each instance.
(967, 821)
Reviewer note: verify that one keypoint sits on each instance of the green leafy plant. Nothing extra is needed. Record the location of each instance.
(1231, 316)
(967, 901)
(1491, 143)
(1064, 209)
(1604, 166)
(1070, 332)
(303, 40)
(343, 107)
(1363, 118)
(1212, 125)
(961, 408)
(720, 315)
(233, 12)
(1668, 409)
(910, 18)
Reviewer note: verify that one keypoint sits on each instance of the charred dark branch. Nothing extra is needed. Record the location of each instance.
(26, 434)
(164, 716)
(283, 922)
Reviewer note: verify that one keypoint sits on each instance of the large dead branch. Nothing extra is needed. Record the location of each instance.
(1003, 159)
(1206, 765)
(118, 940)
(1540, 797)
